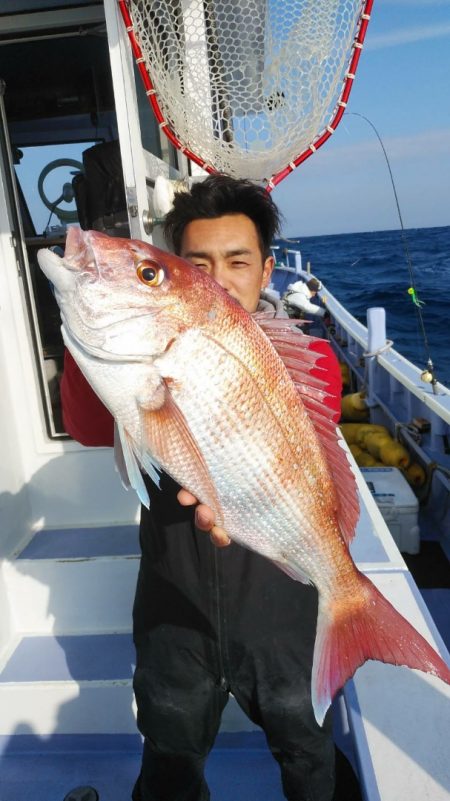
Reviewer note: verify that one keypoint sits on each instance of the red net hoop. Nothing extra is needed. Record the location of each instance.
(250, 88)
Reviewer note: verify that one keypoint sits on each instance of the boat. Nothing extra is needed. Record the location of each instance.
(68, 545)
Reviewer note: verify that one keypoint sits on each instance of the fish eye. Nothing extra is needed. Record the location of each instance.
(150, 272)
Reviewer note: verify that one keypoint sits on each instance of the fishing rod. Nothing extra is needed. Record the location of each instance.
(428, 375)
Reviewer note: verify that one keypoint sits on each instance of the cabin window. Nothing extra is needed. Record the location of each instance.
(46, 198)
(44, 175)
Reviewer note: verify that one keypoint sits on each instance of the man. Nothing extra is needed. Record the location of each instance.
(299, 296)
(207, 621)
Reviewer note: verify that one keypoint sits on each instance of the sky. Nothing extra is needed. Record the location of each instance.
(403, 87)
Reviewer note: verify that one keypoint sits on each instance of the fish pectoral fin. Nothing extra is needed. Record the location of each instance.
(127, 464)
(167, 436)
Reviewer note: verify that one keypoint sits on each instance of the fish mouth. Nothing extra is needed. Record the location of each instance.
(78, 257)
(78, 253)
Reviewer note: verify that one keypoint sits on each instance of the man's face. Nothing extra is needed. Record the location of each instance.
(228, 249)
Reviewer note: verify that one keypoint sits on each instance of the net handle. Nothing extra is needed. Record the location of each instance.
(338, 113)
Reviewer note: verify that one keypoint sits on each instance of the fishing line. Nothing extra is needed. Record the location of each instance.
(412, 289)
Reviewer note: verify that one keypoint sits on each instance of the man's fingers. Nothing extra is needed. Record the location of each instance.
(204, 519)
(219, 537)
(186, 498)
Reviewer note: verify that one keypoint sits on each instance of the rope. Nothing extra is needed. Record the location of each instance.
(388, 344)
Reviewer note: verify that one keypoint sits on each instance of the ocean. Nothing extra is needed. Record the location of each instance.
(371, 269)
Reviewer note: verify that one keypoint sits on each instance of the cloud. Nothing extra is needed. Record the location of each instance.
(346, 187)
(407, 36)
(431, 144)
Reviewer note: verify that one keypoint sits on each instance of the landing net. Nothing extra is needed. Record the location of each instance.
(250, 88)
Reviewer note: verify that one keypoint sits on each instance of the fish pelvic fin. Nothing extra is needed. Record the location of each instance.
(346, 639)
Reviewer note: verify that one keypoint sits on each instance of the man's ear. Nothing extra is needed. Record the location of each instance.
(267, 271)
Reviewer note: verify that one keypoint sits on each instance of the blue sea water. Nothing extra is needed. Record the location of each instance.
(371, 269)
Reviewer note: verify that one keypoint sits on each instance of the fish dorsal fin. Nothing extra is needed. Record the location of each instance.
(166, 434)
(298, 354)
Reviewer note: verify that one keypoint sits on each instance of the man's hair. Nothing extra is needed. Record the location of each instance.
(313, 284)
(216, 196)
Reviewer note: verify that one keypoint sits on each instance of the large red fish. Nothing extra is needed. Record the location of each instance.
(199, 389)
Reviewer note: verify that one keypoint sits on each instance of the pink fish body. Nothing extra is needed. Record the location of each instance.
(199, 389)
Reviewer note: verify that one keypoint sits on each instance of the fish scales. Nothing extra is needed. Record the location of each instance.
(246, 468)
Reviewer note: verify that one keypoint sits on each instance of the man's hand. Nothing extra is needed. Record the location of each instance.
(204, 519)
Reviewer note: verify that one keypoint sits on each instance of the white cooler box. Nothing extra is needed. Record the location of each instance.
(397, 503)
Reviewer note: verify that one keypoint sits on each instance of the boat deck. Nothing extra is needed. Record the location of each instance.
(84, 679)
(239, 767)
(73, 669)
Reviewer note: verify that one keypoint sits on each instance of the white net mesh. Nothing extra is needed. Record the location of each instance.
(246, 84)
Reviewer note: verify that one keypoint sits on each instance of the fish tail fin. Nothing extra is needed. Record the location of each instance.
(373, 629)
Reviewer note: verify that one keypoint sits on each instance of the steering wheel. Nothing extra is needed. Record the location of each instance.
(67, 193)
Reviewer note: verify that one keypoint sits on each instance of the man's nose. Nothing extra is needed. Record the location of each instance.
(220, 274)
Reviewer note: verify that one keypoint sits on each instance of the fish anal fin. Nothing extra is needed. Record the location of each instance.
(293, 571)
(370, 629)
(167, 436)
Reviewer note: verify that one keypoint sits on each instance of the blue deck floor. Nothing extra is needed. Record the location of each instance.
(73, 543)
(71, 657)
(240, 768)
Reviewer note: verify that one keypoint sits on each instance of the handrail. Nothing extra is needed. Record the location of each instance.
(404, 371)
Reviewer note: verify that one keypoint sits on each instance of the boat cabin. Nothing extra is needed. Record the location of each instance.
(79, 145)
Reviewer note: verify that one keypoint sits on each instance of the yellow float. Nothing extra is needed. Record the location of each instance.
(345, 374)
(355, 432)
(356, 451)
(353, 406)
(367, 460)
(387, 450)
(372, 446)
(416, 475)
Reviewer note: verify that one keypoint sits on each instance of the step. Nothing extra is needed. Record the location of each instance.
(239, 767)
(74, 580)
(77, 684)
(68, 684)
(82, 543)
